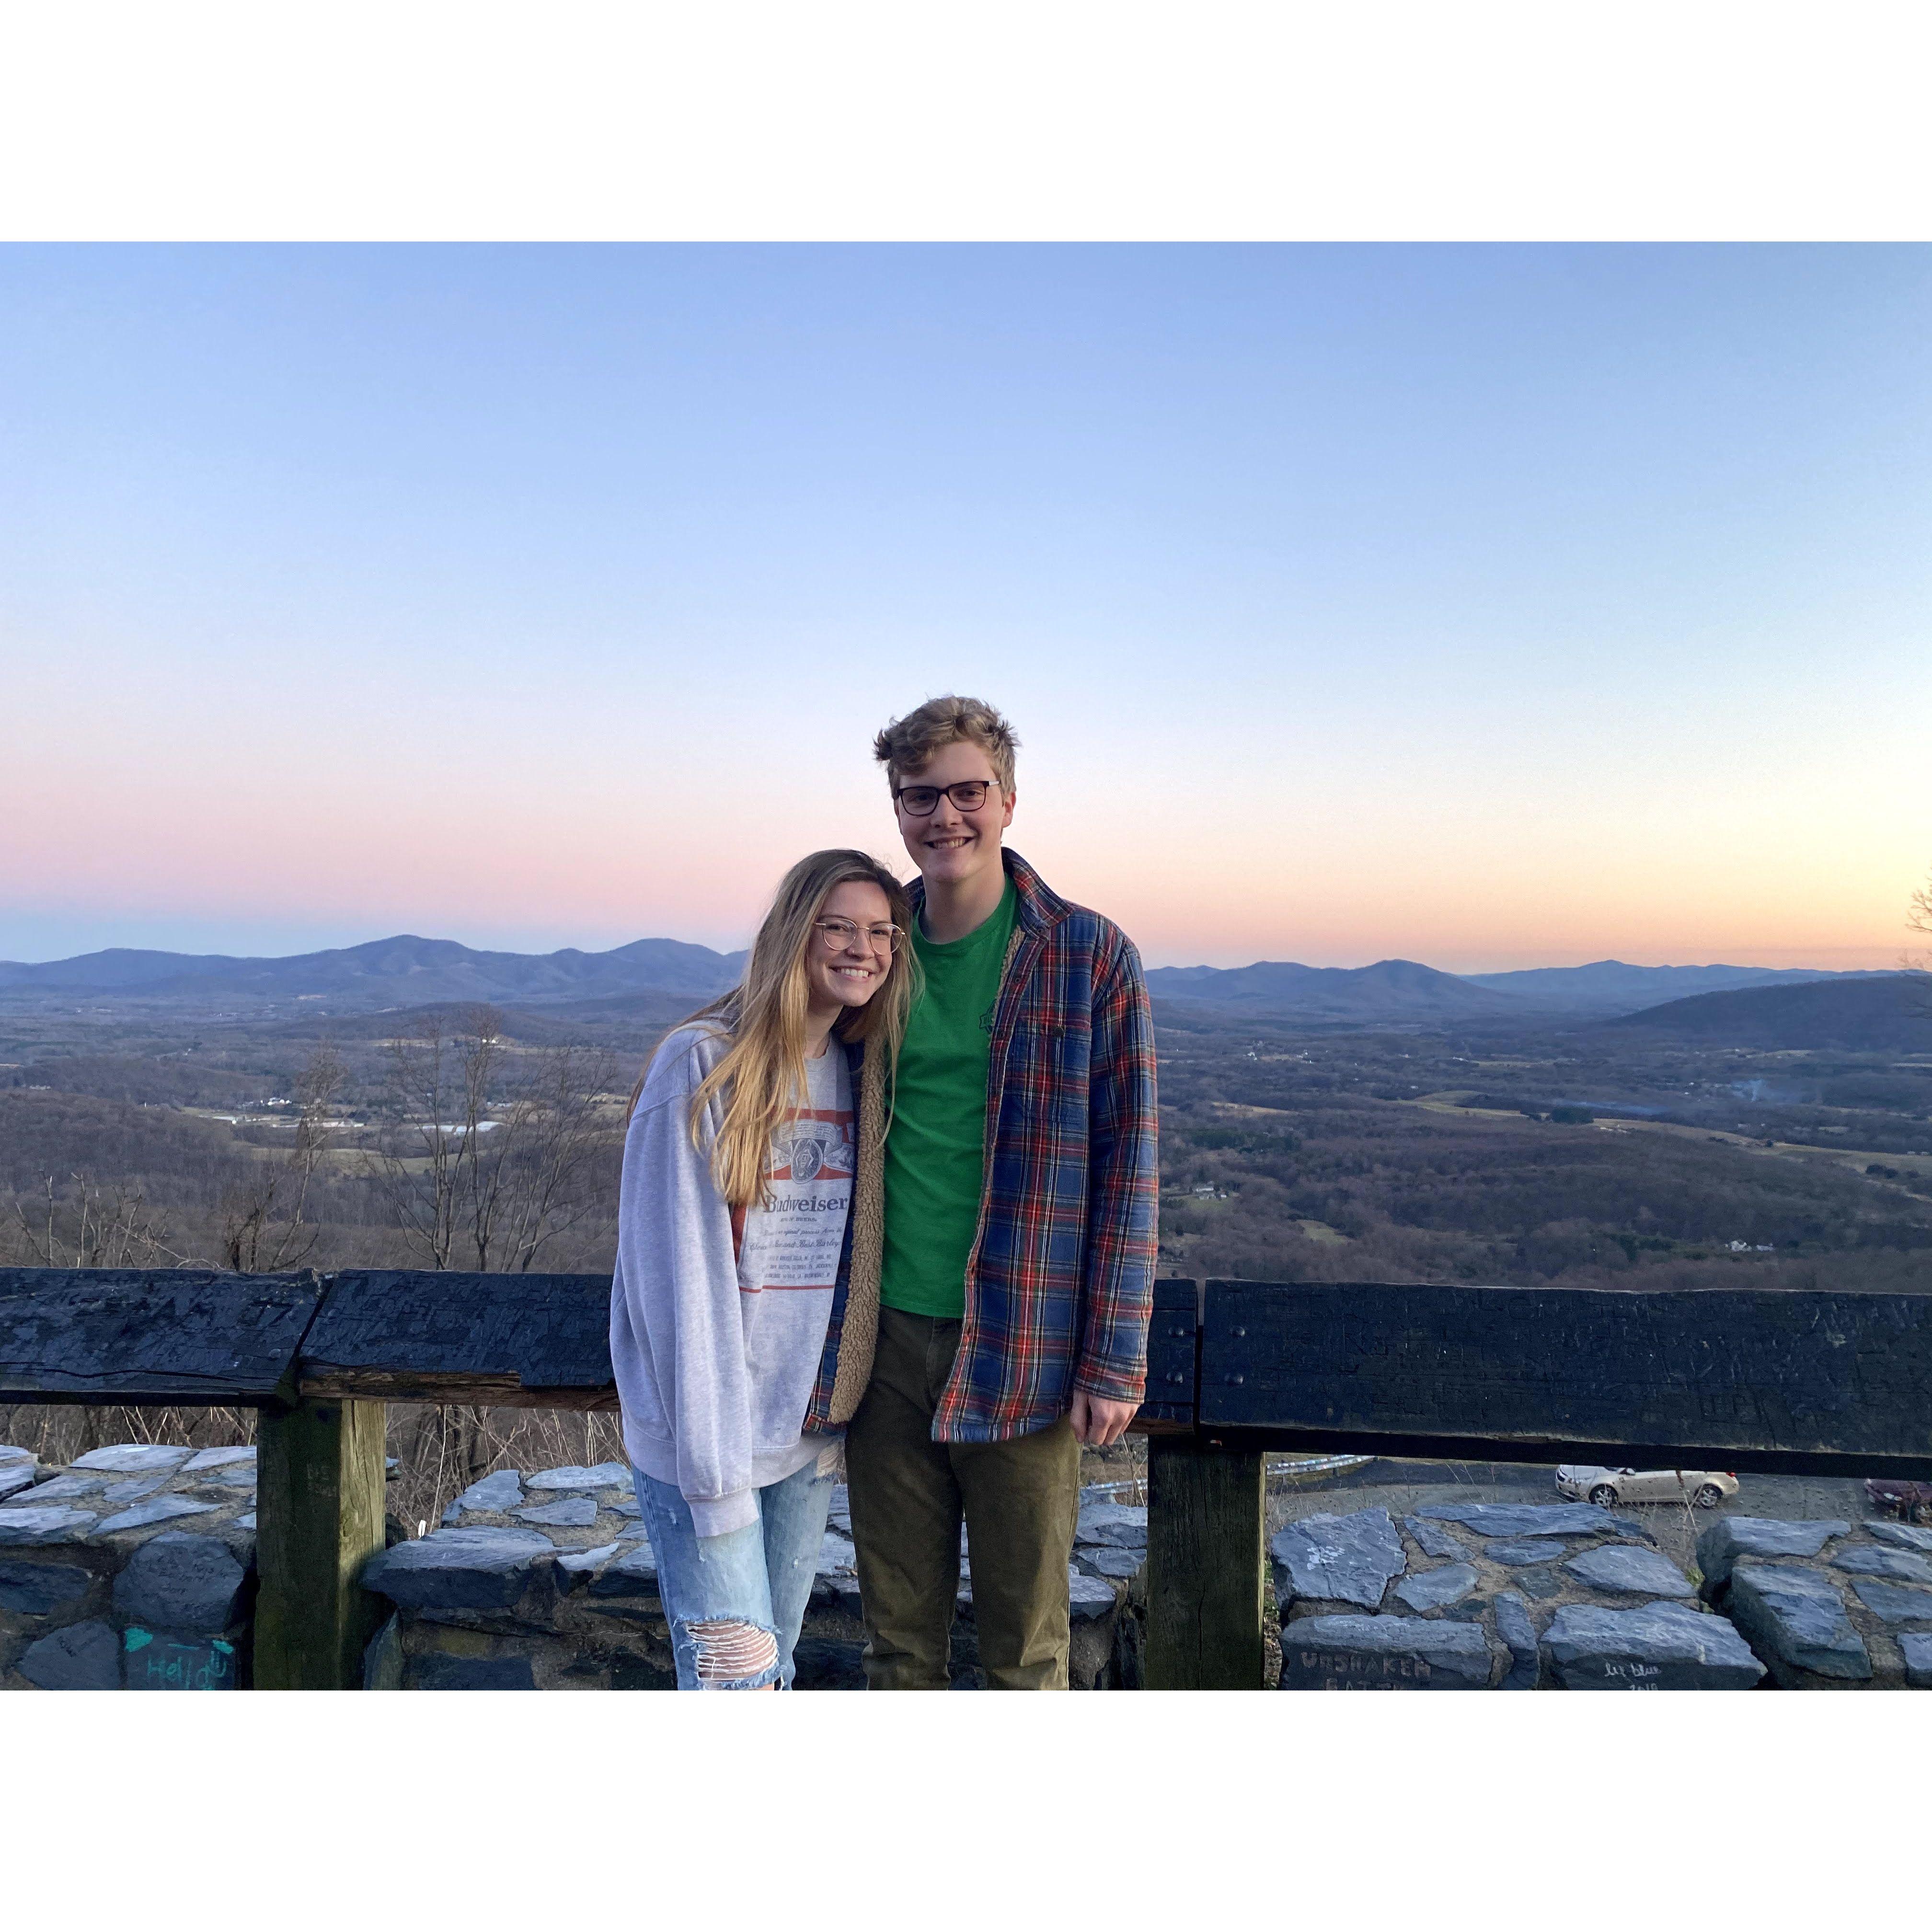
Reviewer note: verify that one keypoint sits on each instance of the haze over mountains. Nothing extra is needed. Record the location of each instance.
(408, 971)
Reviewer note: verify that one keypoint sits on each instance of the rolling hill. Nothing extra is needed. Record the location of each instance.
(1391, 989)
(1882, 1013)
(1611, 986)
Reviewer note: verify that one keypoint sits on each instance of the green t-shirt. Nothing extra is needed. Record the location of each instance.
(935, 1150)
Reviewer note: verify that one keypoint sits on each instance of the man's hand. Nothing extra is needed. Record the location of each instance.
(1097, 1422)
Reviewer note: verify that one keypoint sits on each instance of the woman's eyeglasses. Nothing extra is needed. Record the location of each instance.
(922, 801)
(837, 935)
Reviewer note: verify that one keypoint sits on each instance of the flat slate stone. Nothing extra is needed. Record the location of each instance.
(220, 1459)
(245, 1521)
(632, 1574)
(844, 1591)
(383, 1661)
(11, 1452)
(631, 1530)
(630, 1506)
(1116, 1523)
(1435, 1589)
(1733, 1536)
(570, 1513)
(178, 1581)
(1639, 1573)
(1906, 1535)
(459, 1569)
(1900, 1565)
(82, 1657)
(1917, 1646)
(17, 1476)
(574, 1566)
(1347, 1653)
(1525, 1518)
(65, 1488)
(1434, 1541)
(1106, 1559)
(1659, 1647)
(33, 1589)
(157, 1509)
(154, 1661)
(1346, 1559)
(473, 1673)
(1539, 1584)
(1087, 1596)
(131, 1458)
(1518, 1553)
(836, 1553)
(1795, 1619)
(31, 1525)
(600, 1476)
(125, 1495)
(502, 1490)
(1514, 1627)
(1895, 1603)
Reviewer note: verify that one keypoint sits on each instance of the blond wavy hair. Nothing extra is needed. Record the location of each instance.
(906, 746)
(762, 1071)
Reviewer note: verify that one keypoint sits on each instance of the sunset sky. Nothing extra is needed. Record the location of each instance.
(1491, 607)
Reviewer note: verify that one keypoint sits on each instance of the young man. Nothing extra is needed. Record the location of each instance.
(1017, 1250)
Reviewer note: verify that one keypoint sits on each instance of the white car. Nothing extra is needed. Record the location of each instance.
(1706, 1488)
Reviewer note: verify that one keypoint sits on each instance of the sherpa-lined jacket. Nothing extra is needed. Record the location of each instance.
(1059, 1279)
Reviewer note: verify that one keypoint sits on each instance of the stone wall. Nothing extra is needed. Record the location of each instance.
(134, 1570)
(546, 1581)
(1524, 1597)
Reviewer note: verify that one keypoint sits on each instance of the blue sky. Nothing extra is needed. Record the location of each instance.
(1492, 606)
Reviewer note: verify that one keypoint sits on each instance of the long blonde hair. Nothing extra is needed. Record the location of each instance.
(762, 1071)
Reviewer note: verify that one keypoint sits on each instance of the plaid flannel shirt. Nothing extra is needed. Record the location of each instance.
(1059, 1280)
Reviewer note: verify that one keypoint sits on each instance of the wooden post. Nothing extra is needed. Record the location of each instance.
(1205, 1515)
(320, 1511)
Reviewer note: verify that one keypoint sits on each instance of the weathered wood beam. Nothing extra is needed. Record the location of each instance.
(415, 1385)
(537, 1341)
(194, 1336)
(1799, 1382)
(319, 1520)
(1203, 1576)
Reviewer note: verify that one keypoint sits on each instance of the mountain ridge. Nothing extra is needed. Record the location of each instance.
(407, 969)
(1868, 1013)
(403, 968)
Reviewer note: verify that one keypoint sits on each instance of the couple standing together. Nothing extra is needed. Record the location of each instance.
(893, 1196)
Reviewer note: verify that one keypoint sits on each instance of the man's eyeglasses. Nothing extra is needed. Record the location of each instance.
(922, 801)
(837, 935)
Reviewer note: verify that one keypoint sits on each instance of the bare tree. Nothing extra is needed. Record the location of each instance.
(1919, 918)
(487, 1152)
(264, 1220)
(534, 1176)
(93, 1230)
(414, 1159)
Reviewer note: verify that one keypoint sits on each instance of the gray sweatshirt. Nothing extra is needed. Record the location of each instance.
(716, 1345)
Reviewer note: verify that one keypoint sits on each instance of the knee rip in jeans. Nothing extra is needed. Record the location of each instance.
(732, 1652)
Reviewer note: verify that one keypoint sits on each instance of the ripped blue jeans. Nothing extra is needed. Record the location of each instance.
(735, 1602)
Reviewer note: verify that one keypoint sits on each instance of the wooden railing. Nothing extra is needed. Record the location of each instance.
(1802, 1382)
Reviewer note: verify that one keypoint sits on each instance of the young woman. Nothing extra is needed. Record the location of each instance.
(752, 1165)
